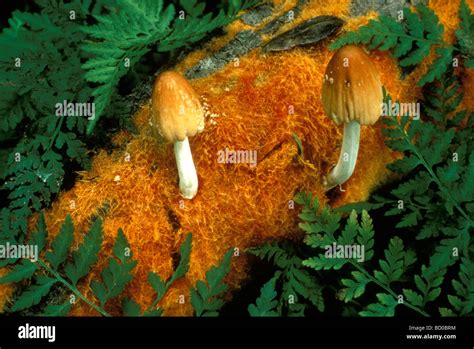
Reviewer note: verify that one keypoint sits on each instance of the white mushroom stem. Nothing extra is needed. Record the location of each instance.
(348, 157)
(188, 180)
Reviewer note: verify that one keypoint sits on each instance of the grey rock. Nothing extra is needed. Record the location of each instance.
(243, 42)
(383, 7)
(256, 16)
(287, 17)
(308, 32)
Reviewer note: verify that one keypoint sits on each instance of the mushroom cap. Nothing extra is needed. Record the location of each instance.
(176, 108)
(352, 90)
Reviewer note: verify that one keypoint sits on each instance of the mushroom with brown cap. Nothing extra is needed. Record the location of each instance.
(178, 113)
(351, 94)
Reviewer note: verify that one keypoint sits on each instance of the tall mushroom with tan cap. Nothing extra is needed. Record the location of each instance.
(352, 95)
(178, 113)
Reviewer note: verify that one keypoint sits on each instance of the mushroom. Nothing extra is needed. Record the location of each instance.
(351, 94)
(179, 114)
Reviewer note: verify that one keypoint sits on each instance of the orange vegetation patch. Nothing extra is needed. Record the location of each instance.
(256, 106)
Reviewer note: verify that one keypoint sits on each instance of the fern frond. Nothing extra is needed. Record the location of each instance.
(205, 295)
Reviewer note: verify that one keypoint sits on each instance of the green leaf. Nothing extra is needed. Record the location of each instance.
(130, 307)
(385, 307)
(38, 237)
(21, 271)
(117, 274)
(61, 244)
(204, 294)
(56, 310)
(183, 265)
(87, 253)
(158, 284)
(413, 297)
(33, 294)
(355, 287)
(266, 303)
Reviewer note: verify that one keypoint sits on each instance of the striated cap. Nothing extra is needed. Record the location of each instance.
(352, 90)
(176, 108)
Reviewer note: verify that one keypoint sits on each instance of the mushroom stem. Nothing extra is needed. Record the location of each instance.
(348, 156)
(188, 180)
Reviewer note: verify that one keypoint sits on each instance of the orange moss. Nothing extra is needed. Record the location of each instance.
(255, 106)
(6, 291)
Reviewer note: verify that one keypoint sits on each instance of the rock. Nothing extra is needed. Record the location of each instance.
(287, 17)
(383, 7)
(256, 16)
(243, 42)
(308, 32)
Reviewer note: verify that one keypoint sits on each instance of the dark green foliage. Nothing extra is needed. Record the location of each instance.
(117, 274)
(465, 34)
(40, 65)
(438, 197)
(86, 255)
(205, 295)
(266, 304)
(56, 265)
(52, 263)
(298, 288)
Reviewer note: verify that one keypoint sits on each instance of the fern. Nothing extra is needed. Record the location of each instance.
(118, 273)
(441, 153)
(36, 144)
(412, 39)
(266, 304)
(298, 288)
(463, 301)
(122, 38)
(204, 296)
(116, 276)
(56, 267)
(160, 286)
(324, 228)
(465, 34)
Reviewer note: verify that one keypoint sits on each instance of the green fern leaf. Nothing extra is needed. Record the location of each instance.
(392, 267)
(160, 286)
(385, 307)
(57, 310)
(117, 274)
(355, 287)
(33, 295)
(465, 34)
(87, 253)
(266, 303)
(19, 272)
(130, 307)
(204, 294)
(413, 297)
(61, 244)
